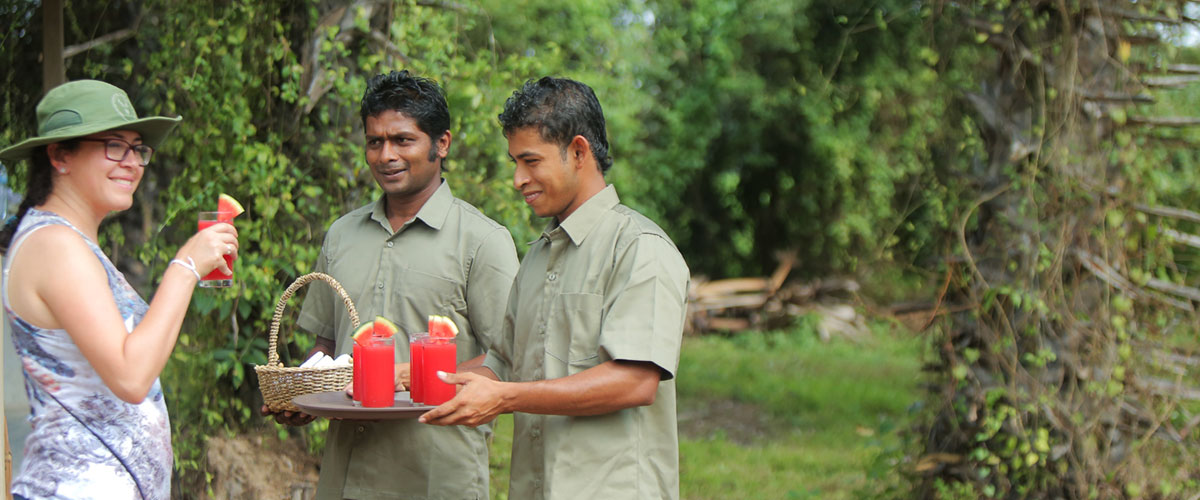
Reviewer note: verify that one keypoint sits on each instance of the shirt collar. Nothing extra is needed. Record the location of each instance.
(585, 218)
(433, 213)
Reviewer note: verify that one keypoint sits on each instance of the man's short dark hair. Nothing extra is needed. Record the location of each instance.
(561, 109)
(419, 98)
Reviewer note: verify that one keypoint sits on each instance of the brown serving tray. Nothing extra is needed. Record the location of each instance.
(336, 404)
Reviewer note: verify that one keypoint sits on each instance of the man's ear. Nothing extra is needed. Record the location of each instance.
(443, 144)
(580, 150)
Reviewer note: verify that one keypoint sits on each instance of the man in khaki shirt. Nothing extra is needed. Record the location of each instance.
(414, 252)
(591, 337)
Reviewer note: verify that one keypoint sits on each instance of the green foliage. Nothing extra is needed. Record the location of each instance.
(806, 126)
(1056, 345)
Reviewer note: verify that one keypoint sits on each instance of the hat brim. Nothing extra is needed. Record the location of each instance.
(153, 130)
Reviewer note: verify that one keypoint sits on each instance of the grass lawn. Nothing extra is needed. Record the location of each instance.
(780, 414)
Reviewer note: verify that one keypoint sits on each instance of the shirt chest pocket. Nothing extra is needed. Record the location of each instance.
(424, 294)
(573, 333)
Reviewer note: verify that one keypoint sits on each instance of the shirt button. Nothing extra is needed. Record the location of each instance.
(535, 433)
(361, 429)
(552, 276)
(390, 244)
(381, 285)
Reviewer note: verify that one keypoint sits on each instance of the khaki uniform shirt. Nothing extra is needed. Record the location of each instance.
(606, 284)
(449, 260)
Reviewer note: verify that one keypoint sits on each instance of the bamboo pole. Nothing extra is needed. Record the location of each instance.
(54, 71)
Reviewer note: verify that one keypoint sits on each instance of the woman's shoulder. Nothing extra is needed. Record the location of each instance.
(56, 236)
(57, 248)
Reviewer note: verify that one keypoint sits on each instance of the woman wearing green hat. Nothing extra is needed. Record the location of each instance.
(90, 347)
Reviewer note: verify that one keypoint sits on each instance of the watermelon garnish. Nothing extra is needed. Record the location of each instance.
(385, 328)
(363, 334)
(441, 327)
(228, 208)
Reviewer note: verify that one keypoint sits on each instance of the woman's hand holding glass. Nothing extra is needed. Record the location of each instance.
(207, 249)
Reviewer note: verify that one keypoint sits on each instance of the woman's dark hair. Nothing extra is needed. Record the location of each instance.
(40, 183)
(419, 98)
(561, 109)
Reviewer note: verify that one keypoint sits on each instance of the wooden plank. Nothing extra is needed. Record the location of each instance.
(1173, 288)
(1115, 279)
(1190, 69)
(1168, 388)
(786, 261)
(1190, 240)
(754, 301)
(1133, 15)
(1172, 212)
(1164, 121)
(732, 324)
(1170, 81)
(731, 286)
(1118, 97)
(1142, 39)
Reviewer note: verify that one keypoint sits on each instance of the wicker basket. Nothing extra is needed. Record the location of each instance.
(278, 383)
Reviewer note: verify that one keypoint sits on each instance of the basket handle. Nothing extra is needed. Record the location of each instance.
(273, 356)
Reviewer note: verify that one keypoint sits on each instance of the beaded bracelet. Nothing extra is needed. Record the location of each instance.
(190, 265)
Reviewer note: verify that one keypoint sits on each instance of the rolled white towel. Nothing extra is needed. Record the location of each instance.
(343, 360)
(314, 360)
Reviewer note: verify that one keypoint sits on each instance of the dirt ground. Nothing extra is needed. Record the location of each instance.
(740, 422)
(260, 467)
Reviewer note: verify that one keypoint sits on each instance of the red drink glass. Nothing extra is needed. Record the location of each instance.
(358, 373)
(416, 379)
(216, 278)
(379, 372)
(440, 355)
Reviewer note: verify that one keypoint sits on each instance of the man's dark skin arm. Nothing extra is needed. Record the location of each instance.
(605, 388)
(327, 346)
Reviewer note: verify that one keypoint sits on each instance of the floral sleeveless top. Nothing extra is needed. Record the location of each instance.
(86, 442)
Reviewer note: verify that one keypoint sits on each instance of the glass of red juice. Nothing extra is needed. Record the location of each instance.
(379, 372)
(439, 355)
(358, 372)
(416, 381)
(216, 278)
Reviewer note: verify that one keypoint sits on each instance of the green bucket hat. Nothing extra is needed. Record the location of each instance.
(84, 107)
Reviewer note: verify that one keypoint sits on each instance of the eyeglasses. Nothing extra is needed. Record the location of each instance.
(116, 149)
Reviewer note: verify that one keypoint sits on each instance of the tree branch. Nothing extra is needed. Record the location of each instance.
(113, 37)
(1175, 213)
(1115, 279)
(1190, 240)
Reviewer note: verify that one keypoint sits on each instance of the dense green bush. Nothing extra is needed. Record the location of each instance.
(801, 126)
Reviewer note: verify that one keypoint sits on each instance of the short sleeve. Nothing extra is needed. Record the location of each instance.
(645, 304)
(499, 356)
(316, 313)
(491, 277)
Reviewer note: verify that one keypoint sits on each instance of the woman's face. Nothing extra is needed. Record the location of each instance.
(105, 184)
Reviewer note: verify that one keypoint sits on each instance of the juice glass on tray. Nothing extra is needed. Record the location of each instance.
(356, 356)
(416, 377)
(378, 372)
(439, 354)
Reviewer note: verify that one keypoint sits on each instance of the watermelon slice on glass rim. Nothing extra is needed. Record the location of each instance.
(441, 327)
(381, 327)
(228, 208)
